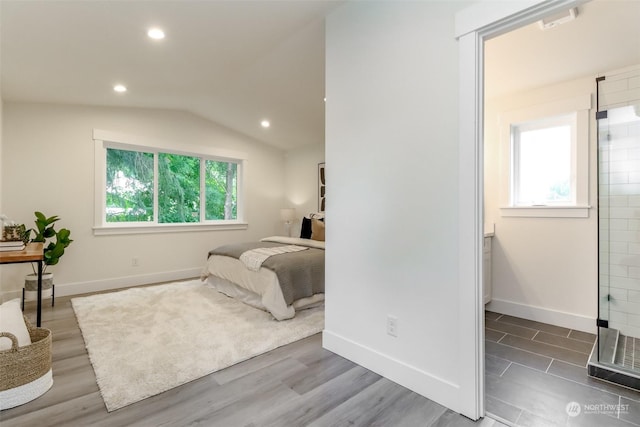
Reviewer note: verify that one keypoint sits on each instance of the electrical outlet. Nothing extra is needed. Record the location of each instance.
(135, 262)
(392, 326)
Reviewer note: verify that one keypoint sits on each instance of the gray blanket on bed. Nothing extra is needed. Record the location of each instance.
(301, 274)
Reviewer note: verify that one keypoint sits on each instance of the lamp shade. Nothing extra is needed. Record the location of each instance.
(287, 214)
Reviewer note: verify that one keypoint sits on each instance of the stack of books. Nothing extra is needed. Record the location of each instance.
(11, 245)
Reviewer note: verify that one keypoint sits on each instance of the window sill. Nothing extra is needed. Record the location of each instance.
(165, 228)
(546, 211)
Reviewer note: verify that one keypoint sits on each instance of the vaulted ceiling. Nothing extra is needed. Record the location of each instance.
(233, 62)
(239, 62)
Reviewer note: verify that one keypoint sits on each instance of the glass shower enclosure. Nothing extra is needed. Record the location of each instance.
(618, 343)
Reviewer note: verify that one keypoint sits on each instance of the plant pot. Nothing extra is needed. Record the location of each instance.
(31, 286)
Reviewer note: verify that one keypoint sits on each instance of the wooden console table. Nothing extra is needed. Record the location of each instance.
(33, 252)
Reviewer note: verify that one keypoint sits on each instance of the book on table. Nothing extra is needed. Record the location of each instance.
(11, 245)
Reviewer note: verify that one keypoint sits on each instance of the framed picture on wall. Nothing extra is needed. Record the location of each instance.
(321, 187)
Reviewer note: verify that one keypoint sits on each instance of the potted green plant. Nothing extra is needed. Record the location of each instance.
(54, 243)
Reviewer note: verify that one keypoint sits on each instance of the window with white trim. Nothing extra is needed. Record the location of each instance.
(545, 158)
(147, 187)
(544, 162)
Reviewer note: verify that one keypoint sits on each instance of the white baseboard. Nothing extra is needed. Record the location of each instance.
(545, 315)
(78, 288)
(428, 385)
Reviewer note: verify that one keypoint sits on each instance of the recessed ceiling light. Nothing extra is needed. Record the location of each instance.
(155, 33)
(265, 123)
(120, 88)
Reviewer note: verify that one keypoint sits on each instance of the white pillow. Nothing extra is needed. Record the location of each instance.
(11, 321)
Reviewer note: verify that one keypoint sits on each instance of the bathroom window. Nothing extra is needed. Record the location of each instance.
(545, 160)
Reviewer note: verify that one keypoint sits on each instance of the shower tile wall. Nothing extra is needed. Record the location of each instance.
(620, 208)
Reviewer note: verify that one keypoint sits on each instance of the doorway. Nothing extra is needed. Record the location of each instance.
(474, 26)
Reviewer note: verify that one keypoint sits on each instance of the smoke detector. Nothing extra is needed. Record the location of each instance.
(557, 19)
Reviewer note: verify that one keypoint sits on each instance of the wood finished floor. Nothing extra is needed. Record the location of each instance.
(300, 384)
(533, 370)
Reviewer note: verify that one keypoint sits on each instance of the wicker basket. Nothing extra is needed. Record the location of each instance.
(25, 372)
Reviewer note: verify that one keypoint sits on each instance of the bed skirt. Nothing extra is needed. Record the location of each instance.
(282, 312)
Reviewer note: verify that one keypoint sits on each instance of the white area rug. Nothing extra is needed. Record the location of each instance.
(143, 341)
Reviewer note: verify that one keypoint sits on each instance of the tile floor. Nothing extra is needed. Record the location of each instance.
(535, 375)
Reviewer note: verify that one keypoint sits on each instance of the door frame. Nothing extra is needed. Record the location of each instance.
(473, 26)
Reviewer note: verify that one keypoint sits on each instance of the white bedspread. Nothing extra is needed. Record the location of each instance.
(295, 241)
(254, 258)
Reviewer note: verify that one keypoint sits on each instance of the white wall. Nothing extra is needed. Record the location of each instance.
(544, 269)
(1, 169)
(48, 166)
(1, 105)
(301, 181)
(1, 134)
(392, 153)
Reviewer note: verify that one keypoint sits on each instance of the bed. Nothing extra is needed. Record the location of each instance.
(278, 274)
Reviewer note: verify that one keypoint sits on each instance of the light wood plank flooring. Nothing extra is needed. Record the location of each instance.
(300, 384)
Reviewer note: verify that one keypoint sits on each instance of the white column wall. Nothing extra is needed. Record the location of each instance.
(392, 158)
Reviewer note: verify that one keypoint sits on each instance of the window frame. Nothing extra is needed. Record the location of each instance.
(106, 139)
(539, 124)
(577, 107)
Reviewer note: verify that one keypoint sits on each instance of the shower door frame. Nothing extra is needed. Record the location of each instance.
(604, 323)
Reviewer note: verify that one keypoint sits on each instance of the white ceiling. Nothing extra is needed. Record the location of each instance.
(233, 62)
(605, 36)
(238, 62)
